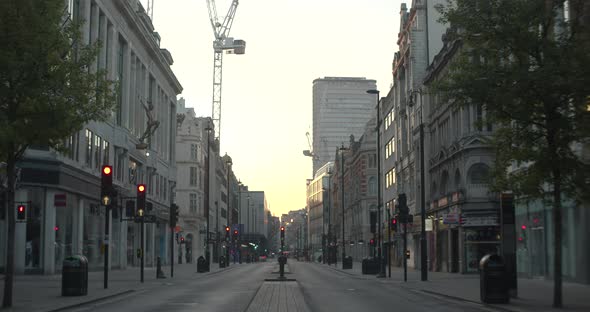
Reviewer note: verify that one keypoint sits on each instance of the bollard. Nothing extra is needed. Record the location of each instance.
(159, 272)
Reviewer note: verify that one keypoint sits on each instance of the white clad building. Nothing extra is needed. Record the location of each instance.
(341, 107)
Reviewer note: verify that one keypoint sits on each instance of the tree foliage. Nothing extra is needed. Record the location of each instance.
(48, 87)
(528, 67)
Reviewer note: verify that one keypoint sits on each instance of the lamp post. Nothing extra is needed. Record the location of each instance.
(229, 163)
(208, 206)
(423, 254)
(325, 193)
(342, 149)
(379, 240)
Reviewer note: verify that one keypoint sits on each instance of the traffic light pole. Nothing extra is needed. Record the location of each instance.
(171, 251)
(106, 246)
(405, 225)
(142, 245)
(389, 241)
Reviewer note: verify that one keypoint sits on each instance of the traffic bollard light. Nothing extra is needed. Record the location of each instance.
(140, 199)
(106, 185)
(21, 213)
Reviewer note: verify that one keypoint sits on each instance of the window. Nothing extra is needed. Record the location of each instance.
(120, 157)
(194, 152)
(193, 176)
(372, 160)
(120, 77)
(372, 186)
(97, 151)
(89, 138)
(106, 152)
(193, 202)
(478, 174)
(390, 178)
(71, 144)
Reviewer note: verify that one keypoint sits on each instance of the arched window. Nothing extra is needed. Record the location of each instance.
(444, 181)
(372, 186)
(457, 179)
(478, 174)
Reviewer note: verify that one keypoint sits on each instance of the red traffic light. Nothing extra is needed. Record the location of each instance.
(21, 208)
(227, 229)
(107, 170)
(394, 221)
(523, 227)
(235, 232)
(372, 242)
(282, 229)
(20, 213)
(141, 188)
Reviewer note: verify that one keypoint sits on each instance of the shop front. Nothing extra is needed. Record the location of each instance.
(481, 234)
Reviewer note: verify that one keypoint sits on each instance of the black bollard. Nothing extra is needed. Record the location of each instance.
(159, 272)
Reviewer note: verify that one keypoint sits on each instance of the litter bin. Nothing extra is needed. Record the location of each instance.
(347, 263)
(493, 282)
(202, 265)
(74, 276)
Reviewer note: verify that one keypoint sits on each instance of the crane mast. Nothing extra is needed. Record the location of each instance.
(222, 43)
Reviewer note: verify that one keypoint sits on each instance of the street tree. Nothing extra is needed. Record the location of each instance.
(49, 88)
(525, 63)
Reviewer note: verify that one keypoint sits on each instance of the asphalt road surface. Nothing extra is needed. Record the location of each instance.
(324, 290)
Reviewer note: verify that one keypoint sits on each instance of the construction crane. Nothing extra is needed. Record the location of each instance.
(309, 152)
(222, 43)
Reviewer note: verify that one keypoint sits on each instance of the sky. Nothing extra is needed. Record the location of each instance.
(266, 105)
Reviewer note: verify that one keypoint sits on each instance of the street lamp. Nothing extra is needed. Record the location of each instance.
(207, 191)
(423, 255)
(342, 149)
(229, 163)
(379, 240)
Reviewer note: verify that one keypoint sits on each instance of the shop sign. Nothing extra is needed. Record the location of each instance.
(59, 200)
(443, 201)
(451, 218)
(455, 197)
(480, 221)
(428, 225)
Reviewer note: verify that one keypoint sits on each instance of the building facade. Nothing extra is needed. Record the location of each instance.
(341, 107)
(419, 39)
(317, 210)
(64, 215)
(191, 147)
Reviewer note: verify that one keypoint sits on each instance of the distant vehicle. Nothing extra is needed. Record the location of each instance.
(262, 258)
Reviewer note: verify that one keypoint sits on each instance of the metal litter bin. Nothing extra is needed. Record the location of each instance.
(74, 276)
(493, 282)
(347, 263)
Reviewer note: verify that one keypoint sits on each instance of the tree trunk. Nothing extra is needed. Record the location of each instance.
(10, 218)
(557, 298)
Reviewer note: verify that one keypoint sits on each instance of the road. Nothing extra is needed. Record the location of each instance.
(324, 289)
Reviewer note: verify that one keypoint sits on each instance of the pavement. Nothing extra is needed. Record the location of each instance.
(533, 294)
(43, 292)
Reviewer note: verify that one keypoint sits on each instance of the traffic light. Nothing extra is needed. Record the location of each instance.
(372, 242)
(174, 209)
(21, 213)
(106, 185)
(407, 254)
(282, 233)
(227, 229)
(182, 239)
(403, 204)
(394, 223)
(236, 232)
(140, 199)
